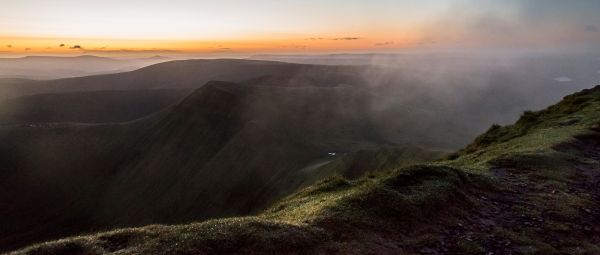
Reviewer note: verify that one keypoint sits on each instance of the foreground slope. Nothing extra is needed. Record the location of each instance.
(528, 188)
(225, 150)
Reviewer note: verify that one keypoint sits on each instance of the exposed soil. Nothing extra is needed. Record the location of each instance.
(513, 221)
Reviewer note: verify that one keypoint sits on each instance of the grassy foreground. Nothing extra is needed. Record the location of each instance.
(527, 188)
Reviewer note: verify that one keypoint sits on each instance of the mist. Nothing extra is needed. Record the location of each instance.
(444, 98)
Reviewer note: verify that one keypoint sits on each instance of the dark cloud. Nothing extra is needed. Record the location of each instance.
(591, 28)
(334, 39)
(76, 47)
(384, 43)
(154, 50)
(9, 46)
(61, 45)
(27, 48)
(346, 38)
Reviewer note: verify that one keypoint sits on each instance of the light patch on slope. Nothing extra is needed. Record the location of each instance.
(563, 79)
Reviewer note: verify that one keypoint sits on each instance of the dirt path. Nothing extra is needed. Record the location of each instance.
(526, 217)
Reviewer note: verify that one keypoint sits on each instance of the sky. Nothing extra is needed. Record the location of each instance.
(158, 27)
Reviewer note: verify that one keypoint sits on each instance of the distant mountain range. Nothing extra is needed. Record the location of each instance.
(48, 67)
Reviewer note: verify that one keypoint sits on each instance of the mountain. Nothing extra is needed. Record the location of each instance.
(224, 150)
(187, 74)
(526, 188)
(87, 107)
(434, 101)
(50, 67)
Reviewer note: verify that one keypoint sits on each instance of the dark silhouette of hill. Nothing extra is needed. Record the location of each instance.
(87, 107)
(225, 150)
(526, 188)
(434, 101)
(188, 74)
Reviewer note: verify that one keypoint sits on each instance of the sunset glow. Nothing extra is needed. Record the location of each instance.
(244, 27)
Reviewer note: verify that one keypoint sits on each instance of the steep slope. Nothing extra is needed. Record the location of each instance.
(87, 107)
(224, 150)
(528, 188)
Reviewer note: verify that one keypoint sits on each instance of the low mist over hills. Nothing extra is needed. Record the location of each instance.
(47, 67)
(433, 100)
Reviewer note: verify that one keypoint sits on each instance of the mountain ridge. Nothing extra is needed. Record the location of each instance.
(533, 193)
(226, 149)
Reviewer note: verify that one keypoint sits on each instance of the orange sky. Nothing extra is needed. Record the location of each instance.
(158, 27)
(78, 46)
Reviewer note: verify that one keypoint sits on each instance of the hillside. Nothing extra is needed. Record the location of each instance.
(439, 102)
(186, 74)
(527, 188)
(225, 150)
(87, 107)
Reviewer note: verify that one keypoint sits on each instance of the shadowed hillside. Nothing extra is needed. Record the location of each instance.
(224, 150)
(186, 74)
(527, 188)
(87, 107)
(433, 101)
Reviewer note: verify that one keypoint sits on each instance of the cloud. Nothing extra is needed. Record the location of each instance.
(27, 48)
(563, 79)
(61, 45)
(9, 46)
(346, 38)
(591, 28)
(517, 23)
(76, 47)
(333, 39)
(384, 43)
(154, 50)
